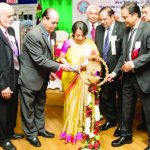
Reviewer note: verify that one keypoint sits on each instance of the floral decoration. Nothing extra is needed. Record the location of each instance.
(91, 135)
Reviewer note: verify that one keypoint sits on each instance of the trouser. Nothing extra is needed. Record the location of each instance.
(8, 113)
(111, 101)
(32, 110)
(131, 91)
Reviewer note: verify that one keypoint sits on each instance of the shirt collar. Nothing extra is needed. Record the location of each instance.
(45, 31)
(137, 24)
(111, 27)
(95, 24)
(3, 29)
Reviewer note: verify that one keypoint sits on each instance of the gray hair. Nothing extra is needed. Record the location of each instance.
(92, 7)
(4, 7)
(146, 5)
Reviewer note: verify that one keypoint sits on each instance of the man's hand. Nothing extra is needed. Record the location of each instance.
(111, 77)
(65, 67)
(127, 66)
(52, 76)
(6, 93)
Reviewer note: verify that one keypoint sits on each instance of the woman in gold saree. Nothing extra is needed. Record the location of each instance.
(75, 52)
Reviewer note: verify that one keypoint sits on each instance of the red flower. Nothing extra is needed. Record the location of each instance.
(96, 144)
(97, 123)
(135, 53)
(93, 88)
(90, 146)
(88, 111)
(96, 131)
(85, 136)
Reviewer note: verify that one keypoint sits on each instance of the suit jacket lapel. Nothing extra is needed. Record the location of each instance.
(138, 32)
(45, 37)
(11, 32)
(114, 32)
(102, 39)
(125, 43)
(2, 36)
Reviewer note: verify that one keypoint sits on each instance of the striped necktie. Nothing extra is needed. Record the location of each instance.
(106, 45)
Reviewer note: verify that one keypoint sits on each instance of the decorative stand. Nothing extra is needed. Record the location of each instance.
(91, 135)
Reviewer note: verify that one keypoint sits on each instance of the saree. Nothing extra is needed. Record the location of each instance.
(75, 90)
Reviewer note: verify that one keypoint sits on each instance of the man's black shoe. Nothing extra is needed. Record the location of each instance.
(147, 148)
(107, 125)
(117, 132)
(121, 141)
(46, 134)
(17, 136)
(35, 142)
(7, 145)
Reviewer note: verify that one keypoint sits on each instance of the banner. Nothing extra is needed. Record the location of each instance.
(80, 6)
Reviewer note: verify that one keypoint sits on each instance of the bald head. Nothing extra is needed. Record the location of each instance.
(50, 19)
(6, 15)
(5, 8)
(92, 7)
(50, 12)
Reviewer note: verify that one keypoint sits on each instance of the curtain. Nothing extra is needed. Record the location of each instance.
(64, 8)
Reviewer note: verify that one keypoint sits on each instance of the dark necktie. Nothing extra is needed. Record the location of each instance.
(106, 45)
(93, 32)
(130, 44)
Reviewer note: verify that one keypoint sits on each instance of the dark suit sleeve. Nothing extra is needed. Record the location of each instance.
(99, 39)
(119, 46)
(145, 57)
(36, 53)
(3, 67)
(3, 83)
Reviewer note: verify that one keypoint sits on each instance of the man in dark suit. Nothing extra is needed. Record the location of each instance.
(36, 65)
(111, 54)
(92, 20)
(136, 70)
(145, 17)
(9, 71)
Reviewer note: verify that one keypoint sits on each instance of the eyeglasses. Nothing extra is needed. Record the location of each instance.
(53, 23)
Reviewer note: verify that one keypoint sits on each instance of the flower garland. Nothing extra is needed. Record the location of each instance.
(92, 120)
(92, 114)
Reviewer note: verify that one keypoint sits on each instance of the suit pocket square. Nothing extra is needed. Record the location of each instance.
(135, 53)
